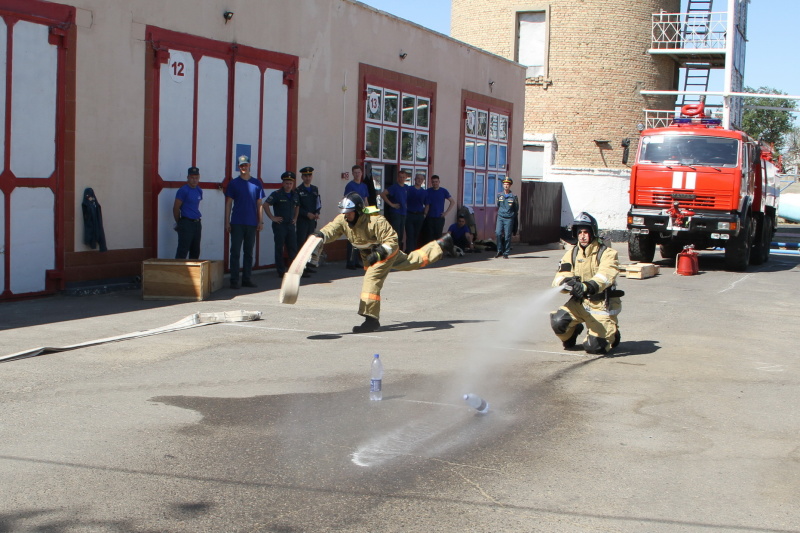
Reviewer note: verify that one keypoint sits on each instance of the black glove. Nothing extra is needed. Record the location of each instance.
(577, 289)
(318, 233)
(375, 256)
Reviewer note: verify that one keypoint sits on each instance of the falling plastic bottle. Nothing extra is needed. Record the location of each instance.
(477, 403)
(376, 377)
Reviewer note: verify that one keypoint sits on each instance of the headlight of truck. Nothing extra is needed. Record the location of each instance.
(637, 221)
(725, 226)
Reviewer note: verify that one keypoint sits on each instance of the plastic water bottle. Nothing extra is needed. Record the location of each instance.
(376, 377)
(477, 403)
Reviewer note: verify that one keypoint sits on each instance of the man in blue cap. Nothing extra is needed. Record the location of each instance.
(186, 211)
(243, 220)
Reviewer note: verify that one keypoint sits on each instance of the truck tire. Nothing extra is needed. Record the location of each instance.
(669, 250)
(641, 248)
(738, 249)
(760, 252)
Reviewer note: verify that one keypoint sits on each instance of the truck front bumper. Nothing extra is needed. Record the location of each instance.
(713, 225)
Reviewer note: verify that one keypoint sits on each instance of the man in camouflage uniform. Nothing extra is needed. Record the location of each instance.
(372, 235)
(588, 272)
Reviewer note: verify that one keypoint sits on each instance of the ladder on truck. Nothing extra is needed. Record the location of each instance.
(696, 27)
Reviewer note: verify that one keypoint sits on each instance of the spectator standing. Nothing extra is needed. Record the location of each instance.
(285, 204)
(435, 212)
(186, 211)
(417, 202)
(507, 212)
(243, 220)
(357, 186)
(396, 198)
(310, 206)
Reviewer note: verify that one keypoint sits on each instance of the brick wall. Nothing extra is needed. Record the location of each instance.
(597, 64)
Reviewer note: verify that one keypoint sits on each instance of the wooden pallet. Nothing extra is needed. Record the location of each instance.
(640, 270)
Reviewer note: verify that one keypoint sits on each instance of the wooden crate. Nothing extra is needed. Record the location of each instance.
(641, 270)
(176, 279)
(217, 275)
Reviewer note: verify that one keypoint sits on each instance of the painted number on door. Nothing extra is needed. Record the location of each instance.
(177, 66)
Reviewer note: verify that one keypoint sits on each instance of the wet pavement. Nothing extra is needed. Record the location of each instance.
(688, 425)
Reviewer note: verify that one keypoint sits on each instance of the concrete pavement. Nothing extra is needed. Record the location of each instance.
(688, 426)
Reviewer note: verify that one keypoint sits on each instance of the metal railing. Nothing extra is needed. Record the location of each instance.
(661, 118)
(690, 31)
(654, 118)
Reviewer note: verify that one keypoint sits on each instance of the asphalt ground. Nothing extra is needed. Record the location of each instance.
(689, 425)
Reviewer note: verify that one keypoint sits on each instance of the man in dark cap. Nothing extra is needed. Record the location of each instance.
(285, 207)
(310, 206)
(186, 211)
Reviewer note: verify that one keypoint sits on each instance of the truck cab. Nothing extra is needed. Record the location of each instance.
(696, 183)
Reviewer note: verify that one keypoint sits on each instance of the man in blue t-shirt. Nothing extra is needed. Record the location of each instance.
(462, 236)
(243, 219)
(396, 199)
(417, 202)
(186, 211)
(358, 186)
(435, 213)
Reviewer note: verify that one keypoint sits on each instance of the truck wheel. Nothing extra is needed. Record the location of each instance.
(641, 248)
(669, 250)
(737, 251)
(760, 252)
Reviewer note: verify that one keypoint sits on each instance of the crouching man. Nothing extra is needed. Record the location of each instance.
(372, 235)
(588, 272)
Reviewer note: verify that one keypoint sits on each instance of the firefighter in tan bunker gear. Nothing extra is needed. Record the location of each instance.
(588, 272)
(376, 240)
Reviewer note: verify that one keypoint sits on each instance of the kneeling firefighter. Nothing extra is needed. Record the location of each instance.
(370, 233)
(588, 272)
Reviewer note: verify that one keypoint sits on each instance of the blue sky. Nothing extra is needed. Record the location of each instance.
(772, 58)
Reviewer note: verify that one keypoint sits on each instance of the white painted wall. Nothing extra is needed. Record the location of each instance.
(602, 194)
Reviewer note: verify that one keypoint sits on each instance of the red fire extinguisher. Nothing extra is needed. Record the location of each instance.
(686, 264)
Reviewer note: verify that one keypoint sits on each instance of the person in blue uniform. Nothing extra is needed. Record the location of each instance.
(285, 205)
(357, 186)
(310, 206)
(243, 219)
(462, 236)
(435, 212)
(507, 213)
(417, 202)
(186, 211)
(396, 198)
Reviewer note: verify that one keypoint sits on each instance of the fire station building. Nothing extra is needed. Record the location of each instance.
(120, 97)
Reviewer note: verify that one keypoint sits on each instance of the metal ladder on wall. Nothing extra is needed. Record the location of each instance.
(695, 28)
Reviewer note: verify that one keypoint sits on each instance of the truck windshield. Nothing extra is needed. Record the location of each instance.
(689, 150)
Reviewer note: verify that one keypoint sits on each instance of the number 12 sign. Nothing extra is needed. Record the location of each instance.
(178, 69)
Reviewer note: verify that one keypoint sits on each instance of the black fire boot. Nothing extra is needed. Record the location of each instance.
(370, 324)
(447, 245)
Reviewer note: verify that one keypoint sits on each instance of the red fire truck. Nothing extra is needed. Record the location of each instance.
(695, 182)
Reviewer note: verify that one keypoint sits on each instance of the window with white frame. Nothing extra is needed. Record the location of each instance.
(485, 155)
(397, 129)
(532, 42)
